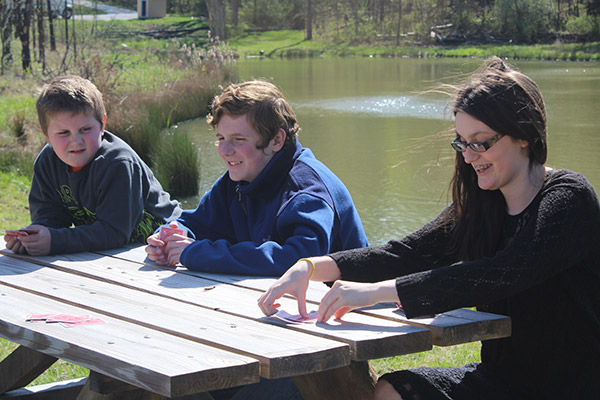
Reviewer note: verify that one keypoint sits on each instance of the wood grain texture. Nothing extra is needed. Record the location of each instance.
(449, 328)
(144, 357)
(368, 337)
(280, 352)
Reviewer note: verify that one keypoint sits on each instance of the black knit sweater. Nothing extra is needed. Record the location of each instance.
(546, 277)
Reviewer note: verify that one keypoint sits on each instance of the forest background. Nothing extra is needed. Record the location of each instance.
(154, 73)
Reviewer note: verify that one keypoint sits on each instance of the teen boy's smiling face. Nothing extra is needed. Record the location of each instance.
(75, 137)
(238, 141)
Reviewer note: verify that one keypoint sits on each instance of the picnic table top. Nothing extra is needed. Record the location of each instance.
(176, 332)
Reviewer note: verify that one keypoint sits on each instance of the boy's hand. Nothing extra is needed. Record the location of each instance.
(35, 244)
(13, 243)
(174, 246)
(159, 248)
(155, 249)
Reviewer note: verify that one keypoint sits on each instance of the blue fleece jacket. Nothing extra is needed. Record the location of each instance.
(295, 208)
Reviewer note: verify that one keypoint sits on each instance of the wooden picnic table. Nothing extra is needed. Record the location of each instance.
(172, 333)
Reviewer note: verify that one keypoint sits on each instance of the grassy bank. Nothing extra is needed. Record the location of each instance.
(152, 73)
(290, 43)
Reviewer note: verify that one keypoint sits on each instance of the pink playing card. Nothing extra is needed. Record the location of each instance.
(39, 317)
(166, 231)
(297, 318)
(90, 321)
(67, 318)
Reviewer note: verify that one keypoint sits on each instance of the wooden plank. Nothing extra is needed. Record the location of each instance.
(21, 367)
(70, 389)
(52, 391)
(144, 357)
(281, 353)
(449, 328)
(368, 337)
(105, 385)
(128, 393)
(452, 327)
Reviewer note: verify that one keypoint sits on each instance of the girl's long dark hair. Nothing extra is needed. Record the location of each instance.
(510, 103)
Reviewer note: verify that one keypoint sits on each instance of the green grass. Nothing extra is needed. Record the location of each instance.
(291, 43)
(453, 356)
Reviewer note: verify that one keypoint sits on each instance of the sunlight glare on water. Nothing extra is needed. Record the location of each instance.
(379, 106)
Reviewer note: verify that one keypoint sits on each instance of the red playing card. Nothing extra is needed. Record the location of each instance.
(21, 232)
(90, 321)
(39, 317)
(166, 231)
(30, 231)
(67, 318)
(15, 233)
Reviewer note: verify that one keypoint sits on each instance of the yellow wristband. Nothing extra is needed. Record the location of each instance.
(311, 263)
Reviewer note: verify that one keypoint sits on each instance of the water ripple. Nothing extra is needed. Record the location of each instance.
(383, 106)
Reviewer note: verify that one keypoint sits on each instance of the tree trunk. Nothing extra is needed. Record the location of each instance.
(235, 8)
(216, 18)
(399, 27)
(41, 34)
(22, 24)
(51, 26)
(5, 35)
(73, 35)
(309, 13)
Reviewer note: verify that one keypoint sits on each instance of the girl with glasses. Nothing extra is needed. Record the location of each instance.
(518, 239)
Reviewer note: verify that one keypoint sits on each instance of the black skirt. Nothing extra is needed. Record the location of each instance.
(471, 382)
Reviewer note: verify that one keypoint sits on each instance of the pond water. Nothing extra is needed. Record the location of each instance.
(368, 120)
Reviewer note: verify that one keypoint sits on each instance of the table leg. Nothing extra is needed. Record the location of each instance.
(21, 367)
(101, 387)
(355, 381)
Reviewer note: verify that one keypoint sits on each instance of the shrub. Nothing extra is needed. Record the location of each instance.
(176, 165)
(587, 25)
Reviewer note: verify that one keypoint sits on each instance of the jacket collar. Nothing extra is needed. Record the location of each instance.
(270, 179)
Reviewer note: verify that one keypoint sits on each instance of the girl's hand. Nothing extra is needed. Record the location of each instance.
(345, 296)
(294, 282)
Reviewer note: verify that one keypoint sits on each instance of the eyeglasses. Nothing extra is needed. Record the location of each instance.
(478, 147)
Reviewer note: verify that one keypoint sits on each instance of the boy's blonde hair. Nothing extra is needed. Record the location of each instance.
(70, 93)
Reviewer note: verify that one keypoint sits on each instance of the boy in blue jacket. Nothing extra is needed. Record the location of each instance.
(90, 190)
(275, 204)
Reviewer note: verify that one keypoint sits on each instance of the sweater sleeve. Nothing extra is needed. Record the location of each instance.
(424, 249)
(119, 207)
(304, 228)
(562, 230)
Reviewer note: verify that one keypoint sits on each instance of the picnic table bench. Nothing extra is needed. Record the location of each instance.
(172, 333)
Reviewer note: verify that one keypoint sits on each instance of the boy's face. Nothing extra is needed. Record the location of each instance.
(237, 141)
(75, 137)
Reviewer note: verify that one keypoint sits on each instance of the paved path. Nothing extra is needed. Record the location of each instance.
(112, 13)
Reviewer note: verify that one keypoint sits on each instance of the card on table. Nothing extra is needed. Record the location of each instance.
(297, 318)
(65, 320)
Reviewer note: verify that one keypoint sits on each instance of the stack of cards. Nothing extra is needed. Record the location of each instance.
(65, 320)
(166, 231)
(297, 318)
(22, 232)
